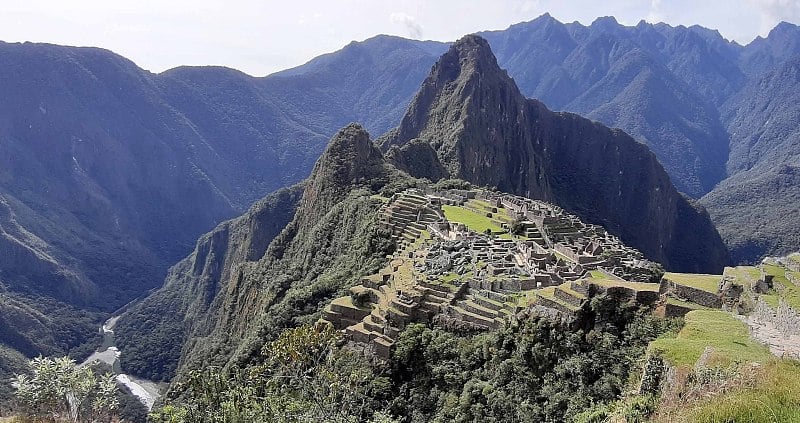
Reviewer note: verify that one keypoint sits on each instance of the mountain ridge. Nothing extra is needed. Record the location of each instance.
(485, 132)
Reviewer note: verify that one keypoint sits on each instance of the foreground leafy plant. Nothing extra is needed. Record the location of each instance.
(59, 390)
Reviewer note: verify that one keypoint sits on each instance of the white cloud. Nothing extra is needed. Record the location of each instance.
(774, 11)
(413, 27)
(655, 15)
(529, 6)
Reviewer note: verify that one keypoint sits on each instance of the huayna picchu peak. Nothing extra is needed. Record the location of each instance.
(484, 131)
(509, 227)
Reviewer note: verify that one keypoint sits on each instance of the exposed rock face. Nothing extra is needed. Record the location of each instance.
(234, 289)
(152, 333)
(484, 131)
(417, 157)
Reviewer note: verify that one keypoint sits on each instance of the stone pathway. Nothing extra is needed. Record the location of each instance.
(768, 333)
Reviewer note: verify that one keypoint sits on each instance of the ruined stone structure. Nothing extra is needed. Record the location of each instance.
(449, 272)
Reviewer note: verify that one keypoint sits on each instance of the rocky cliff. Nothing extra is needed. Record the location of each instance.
(153, 332)
(234, 292)
(484, 131)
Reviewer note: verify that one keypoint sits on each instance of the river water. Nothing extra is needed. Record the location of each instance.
(146, 391)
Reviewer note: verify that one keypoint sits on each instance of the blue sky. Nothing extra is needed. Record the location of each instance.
(260, 37)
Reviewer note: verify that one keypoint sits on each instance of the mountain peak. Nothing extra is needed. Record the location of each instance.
(464, 78)
(470, 54)
(605, 22)
(782, 28)
(350, 160)
(349, 154)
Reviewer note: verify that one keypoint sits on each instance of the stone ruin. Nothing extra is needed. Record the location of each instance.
(444, 272)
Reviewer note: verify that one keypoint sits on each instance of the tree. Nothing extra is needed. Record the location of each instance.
(305, 377)
(61, 391)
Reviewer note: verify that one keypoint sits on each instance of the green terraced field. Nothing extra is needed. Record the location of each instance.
(474, 221)
(708, 283)
(790, 291)
(632, 285)
(718, 329)
(687, 304)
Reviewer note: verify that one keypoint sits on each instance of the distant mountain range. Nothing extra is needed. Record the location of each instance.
(467, 121)
(109, 173)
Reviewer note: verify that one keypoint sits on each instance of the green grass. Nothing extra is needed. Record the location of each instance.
(775, 397)
(523, 298)
(743, 274)
(481, 204)
(549, 293)
(596, 274)
(638, 286)
(687, 304)
(790, 292)
(708, 283)
(379, 198)
(474, 221)
(718, 329)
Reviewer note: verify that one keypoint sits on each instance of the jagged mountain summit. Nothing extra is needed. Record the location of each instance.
(109, 173)
(103, 164)
(472, 115)
(227, 299)
(468, 121)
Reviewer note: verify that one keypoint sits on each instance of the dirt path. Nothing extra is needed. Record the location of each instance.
(768, 334)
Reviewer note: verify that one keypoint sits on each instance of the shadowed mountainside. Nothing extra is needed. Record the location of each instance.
(484, 131)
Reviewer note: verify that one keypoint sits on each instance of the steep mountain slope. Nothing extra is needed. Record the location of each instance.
(108, 173)
(231, 300)
(763, 119)
(756, 209)
(656, 82)
(484, 131)
(152, 338)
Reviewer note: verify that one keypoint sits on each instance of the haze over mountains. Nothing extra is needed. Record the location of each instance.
(108, 173)
(475, 125)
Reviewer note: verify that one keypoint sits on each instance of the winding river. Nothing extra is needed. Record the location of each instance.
(146, 391)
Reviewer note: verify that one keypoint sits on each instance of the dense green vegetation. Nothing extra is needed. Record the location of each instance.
(771, 395)
(11, 363)
(35, 325)
(533, 370)
(304, 376)
(152, 332)
(57, 390)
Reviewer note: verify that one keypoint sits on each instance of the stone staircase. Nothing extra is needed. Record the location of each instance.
(408, 214)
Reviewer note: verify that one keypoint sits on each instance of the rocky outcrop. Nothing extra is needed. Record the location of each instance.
(152, 333)
(234, 290)
(484, 131)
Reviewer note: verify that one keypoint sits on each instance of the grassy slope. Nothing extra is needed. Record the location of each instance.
(766, 392)
(708, 283)
(775, 397)
(472, 220)
(718, 329)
